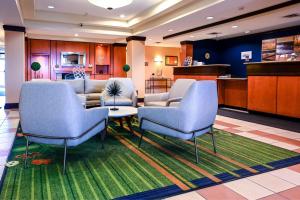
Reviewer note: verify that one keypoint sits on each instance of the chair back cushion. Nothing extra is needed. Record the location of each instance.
(180, 87)
(76, 84)
(126, 84)
(94, 86)
(200, 105)
(50, 109)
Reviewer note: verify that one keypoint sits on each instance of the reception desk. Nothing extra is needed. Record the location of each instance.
(274, 87)
(202, 72)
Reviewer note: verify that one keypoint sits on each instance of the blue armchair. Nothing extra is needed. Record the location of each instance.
(193, 117)
(51, 113)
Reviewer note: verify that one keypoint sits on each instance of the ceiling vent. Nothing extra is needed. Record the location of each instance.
(292, 15)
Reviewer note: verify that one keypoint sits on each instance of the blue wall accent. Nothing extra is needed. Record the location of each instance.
(228, 51)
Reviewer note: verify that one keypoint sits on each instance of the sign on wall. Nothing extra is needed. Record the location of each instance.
(281, 49)
(246, 55)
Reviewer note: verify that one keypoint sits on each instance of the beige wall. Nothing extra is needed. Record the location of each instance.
(151, 52)
(14, 65)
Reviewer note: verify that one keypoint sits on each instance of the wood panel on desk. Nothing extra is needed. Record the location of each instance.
(262, 93)
(235, 93)
(288, 96)
(197, 77)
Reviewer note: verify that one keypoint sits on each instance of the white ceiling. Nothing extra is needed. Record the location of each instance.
(83, 7)
(150, 18)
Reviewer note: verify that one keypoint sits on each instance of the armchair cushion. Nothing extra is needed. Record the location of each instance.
(76, 84)
(94, 86)
(93, 96)
(159, 97)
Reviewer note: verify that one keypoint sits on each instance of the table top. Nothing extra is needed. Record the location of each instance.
(124, 111)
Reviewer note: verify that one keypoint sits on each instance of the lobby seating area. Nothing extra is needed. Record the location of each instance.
(153, 99)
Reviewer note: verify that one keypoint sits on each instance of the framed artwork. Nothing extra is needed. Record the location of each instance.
(268, 50)
(171, 60)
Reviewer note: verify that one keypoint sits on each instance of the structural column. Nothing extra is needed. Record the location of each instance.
(14, 64)
(135, 57)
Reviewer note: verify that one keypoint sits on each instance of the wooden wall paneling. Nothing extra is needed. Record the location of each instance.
(53, 59)
(185, 51)
(119, 60)
(40, 46)
(26, 59)
(235, 93)
(102, 54)
(288, 96)
(262, 93)
(92, 58)
(44, 72)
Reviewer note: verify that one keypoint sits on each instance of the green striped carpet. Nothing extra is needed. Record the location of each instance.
(162, 167)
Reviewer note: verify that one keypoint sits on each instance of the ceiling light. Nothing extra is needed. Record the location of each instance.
(51, 7)
(76, 35)
(111, 4)
(247, 32)
(150, 39)
(209, 18)
(170, 30)
(122, 16)
(235, 26)
(192, 36)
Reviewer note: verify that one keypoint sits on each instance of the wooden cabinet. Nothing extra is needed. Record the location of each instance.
(262, 93)
(288, 96)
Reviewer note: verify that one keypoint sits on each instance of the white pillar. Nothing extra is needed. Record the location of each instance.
(135, 57)
(14, 64)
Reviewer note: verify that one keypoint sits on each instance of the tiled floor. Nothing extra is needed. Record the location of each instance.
(280, 184)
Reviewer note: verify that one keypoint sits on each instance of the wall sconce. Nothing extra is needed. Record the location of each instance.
(158, 59)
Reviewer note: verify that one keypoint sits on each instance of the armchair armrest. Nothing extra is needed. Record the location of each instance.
(156, 97)
(94, 115)
(173, 100)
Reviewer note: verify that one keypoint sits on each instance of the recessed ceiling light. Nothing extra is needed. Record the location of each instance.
(209, 18)
(170, 30)
(150, 39)
(76, 35)
(192, 36)
(122, 16)
(51, 7)
(235, 26)
(111, 4)
(247, 32)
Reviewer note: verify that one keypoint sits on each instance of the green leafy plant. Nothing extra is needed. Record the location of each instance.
(113, 90)
(35, 66)
(126, 68)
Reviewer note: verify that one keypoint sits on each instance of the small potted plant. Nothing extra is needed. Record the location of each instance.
(35, 66)
(113, 90)
(126, 68)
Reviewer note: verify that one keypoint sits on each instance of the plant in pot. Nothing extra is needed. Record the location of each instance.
(35, 66)
(113, 90)
(126, 68)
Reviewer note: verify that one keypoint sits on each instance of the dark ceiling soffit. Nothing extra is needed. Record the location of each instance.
(243, 16)
(186, 42)
(119, 44)
(137, 38)
(14, 28)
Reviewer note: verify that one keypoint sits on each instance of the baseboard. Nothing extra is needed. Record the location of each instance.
(11, 105)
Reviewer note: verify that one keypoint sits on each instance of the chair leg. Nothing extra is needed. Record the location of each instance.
(213, 140)
(65, 156)
(26, 153)
(103, 137)
(141, 138)
(196, 149)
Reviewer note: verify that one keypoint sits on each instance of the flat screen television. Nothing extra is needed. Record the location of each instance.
(70, 59)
